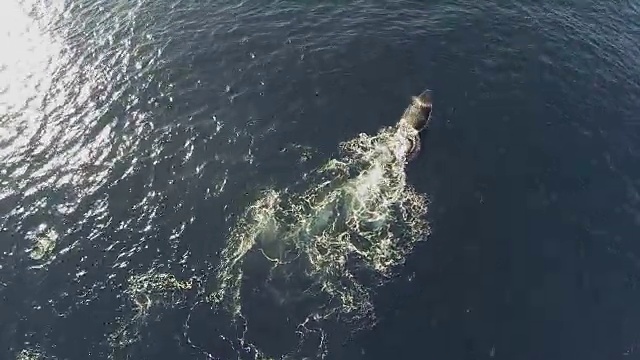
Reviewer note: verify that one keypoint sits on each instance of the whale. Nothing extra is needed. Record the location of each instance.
(414, 121)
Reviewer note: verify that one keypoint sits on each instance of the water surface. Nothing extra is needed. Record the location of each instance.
(133, 135)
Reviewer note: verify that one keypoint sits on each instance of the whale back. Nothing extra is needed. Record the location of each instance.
(418, 113)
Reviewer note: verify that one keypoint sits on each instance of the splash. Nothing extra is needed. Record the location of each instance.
(323, 249)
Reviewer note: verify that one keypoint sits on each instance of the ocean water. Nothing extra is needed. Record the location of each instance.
(160, 196)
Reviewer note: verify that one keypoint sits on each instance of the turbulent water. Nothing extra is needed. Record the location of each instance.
(359, 219)
(217, 180)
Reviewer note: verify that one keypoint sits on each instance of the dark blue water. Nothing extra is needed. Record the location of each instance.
(133, 135)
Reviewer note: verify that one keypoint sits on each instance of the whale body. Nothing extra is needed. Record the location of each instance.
(414, 120)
